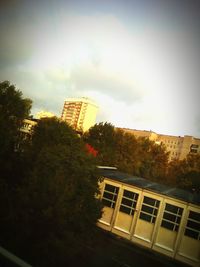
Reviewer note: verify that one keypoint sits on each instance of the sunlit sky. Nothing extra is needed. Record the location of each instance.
(138, 60)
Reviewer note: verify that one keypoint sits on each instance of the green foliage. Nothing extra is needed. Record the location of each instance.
(154, 160)
(47, 190)
(185, 173)
(140, 157)
(13, 110)
(101, 137)
(56, 204)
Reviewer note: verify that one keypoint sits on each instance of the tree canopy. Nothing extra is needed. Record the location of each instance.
(49, 204)
(13, 110)
(115, 147)
(185, 173)
(58, 199)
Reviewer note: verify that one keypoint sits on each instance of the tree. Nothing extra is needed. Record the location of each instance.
(154, 160)
(101, 137)
(186, 173)
(126, 152)
(13, 110)
(56, 204)
(140, 157)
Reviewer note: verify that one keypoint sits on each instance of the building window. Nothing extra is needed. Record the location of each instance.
(193, 225)
(172, 217)
(128, 203)
(110, 195)
(194, 148)
(149, 209)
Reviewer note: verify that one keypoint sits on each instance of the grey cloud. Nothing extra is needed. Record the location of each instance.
(91, 78)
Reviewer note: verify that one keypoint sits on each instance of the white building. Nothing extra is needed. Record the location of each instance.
(80, 113)
(164, 219)
(44, 114)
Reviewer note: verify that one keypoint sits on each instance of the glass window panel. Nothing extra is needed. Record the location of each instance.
(111, 188)
(145, 217)
(115, 197)
(157, 203)
(171, 208)
(149, 201)
(127, 202)
(106, 203)
(170, 217)
(193, 225)
(128, 194)
(167, 225)
(134, 204)
(108, 195)
(180, 211)
(194, 215)
(147, 209)
(155, 212)
(191, 233)
(125, 210)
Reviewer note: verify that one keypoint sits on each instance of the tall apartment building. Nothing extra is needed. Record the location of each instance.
(178, 146)
(80, 113)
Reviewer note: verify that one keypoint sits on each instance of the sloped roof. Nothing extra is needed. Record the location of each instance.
(143, 183)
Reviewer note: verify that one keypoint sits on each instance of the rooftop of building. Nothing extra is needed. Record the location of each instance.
(158, 134)
(143, 183)
(81, 99)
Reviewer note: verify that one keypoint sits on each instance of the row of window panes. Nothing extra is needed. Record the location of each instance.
(128, 203)
(110, 195)
(171, 141)
(193, 225)
(171, 217)
(149, 209)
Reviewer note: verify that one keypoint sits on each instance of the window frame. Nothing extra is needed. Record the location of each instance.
(155, 209)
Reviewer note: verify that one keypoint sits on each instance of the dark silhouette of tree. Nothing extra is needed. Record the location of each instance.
(101, 137)
(13, 110)
(154, 160)
(47, 189)
(56, 204)
(185, 173)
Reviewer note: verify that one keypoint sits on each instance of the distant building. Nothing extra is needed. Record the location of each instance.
(178, 147)
(80, 113)
(28, 126)
(44, 114)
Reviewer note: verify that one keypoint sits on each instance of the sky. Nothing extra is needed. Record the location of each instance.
(138, 60)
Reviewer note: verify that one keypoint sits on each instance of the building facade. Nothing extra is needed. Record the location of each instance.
(177, 146)
(28, 127)
(80, 113)
(164, 219)
(44, 114)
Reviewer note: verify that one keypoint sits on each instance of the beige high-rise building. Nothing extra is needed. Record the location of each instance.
(80, 113)
(177, 146)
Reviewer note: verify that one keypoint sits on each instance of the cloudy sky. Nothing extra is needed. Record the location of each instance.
(138, 60)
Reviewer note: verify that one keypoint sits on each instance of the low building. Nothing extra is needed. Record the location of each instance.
(161, 218)
(28, 126)
(177, 146)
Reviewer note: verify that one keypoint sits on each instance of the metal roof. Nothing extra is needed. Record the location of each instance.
(173, 192)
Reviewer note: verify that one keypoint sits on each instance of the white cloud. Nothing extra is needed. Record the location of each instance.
(141, 78)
